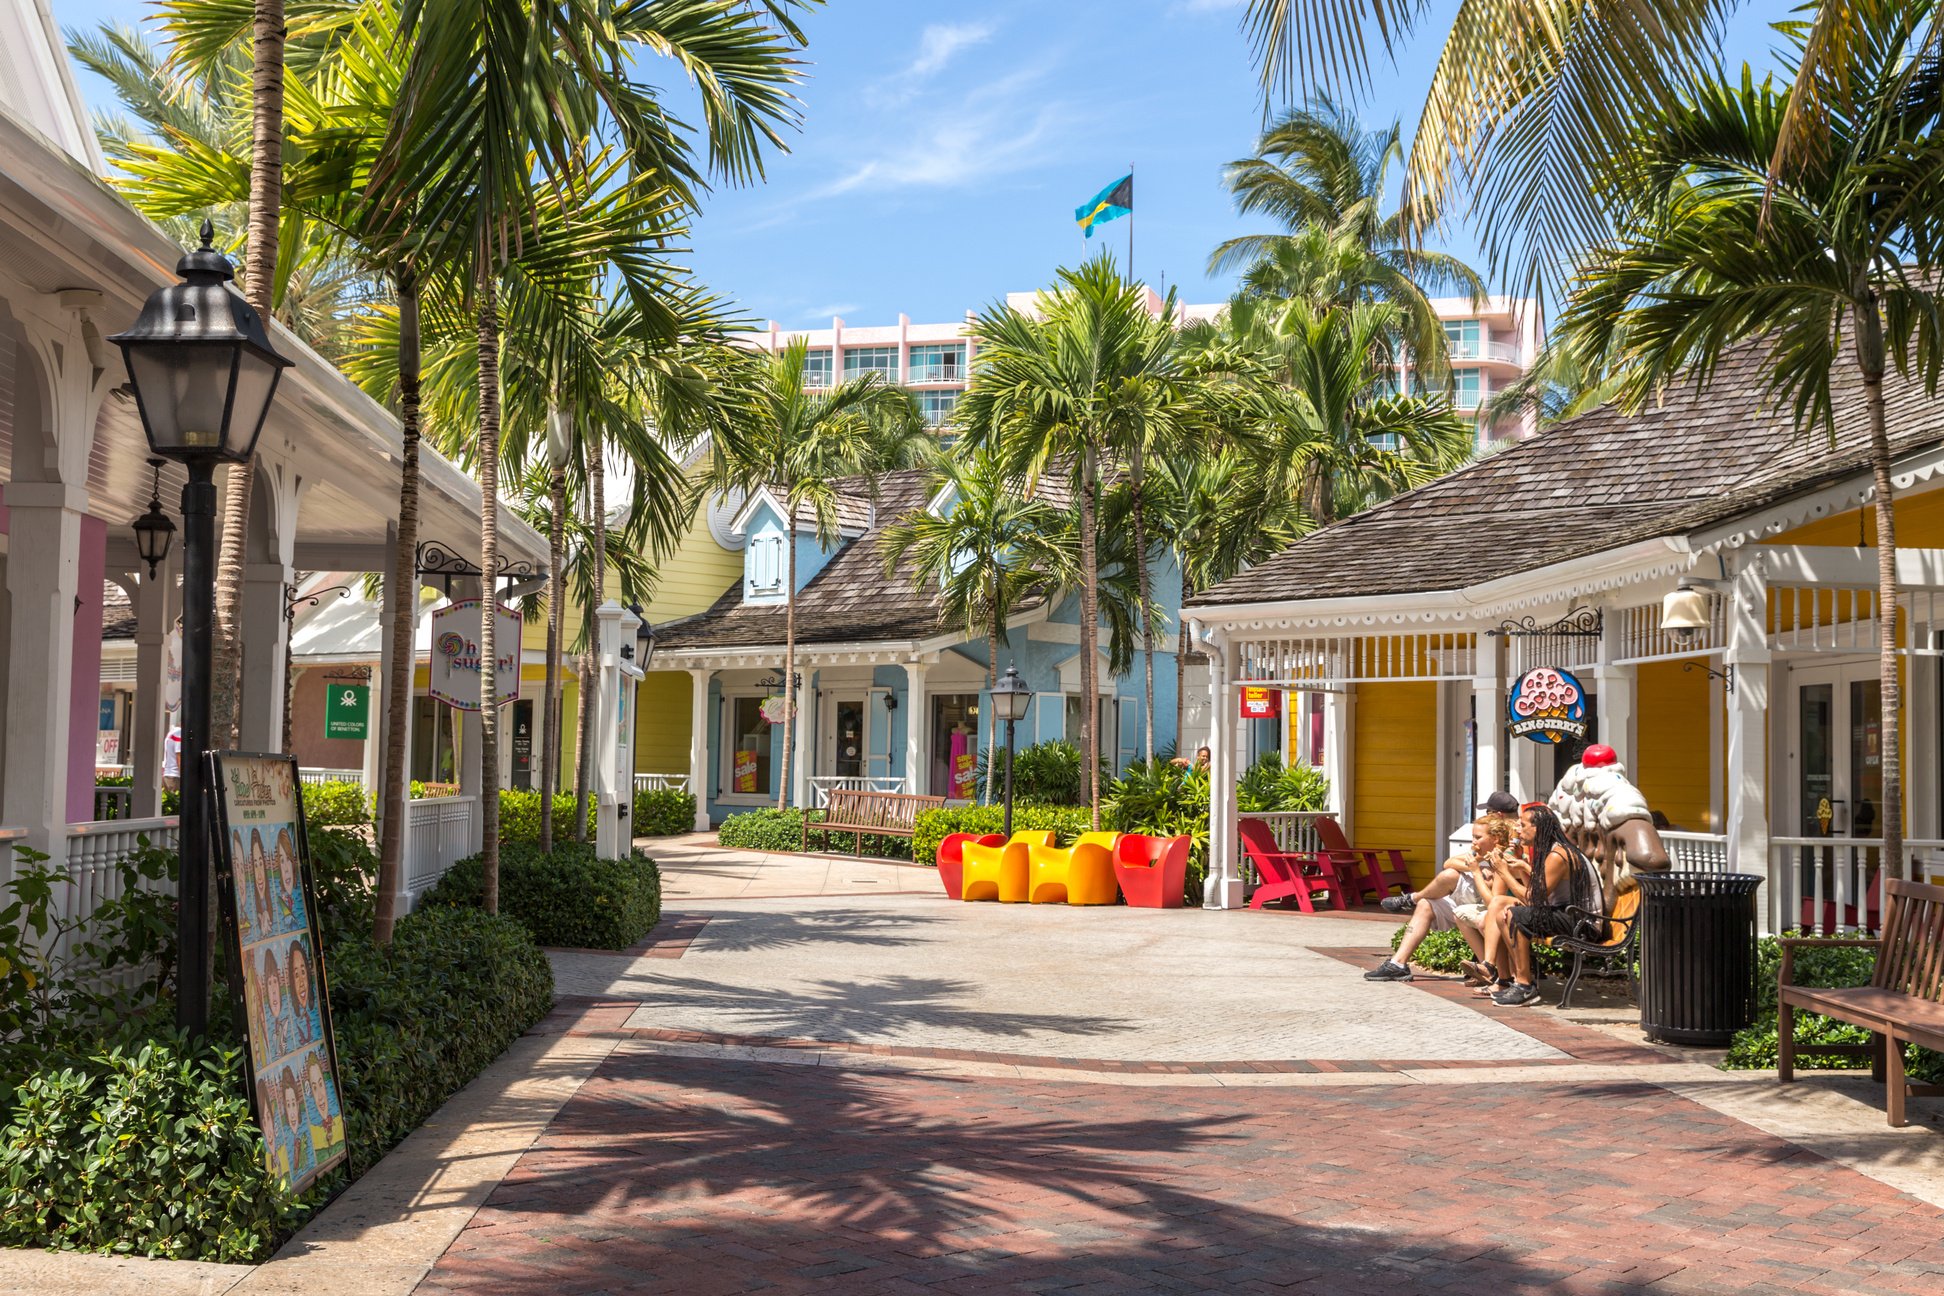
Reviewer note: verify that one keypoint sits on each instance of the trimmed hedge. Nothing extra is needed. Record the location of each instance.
(568, 899)
(139, 1142)
(663, 812)
(782, 830)
(336, 805)
(520, 817)
(934, 826)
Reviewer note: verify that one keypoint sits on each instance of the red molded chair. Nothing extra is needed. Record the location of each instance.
(1363, 867)
(951, 859)
(1300, 875)
(1152, 870)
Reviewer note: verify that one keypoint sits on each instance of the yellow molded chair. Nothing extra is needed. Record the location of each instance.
(1082, 874)
(1000, 872)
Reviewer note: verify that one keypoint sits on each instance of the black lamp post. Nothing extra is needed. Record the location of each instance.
(1010, 698)
(644, 638)
(204, 374)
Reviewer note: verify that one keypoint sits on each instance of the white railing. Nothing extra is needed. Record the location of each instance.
(941, 373)
(8, 836)
(439, 832)
(1835, 884)
(1469, 349)
(823, 785)
(316, 776)
(93, 849)
(661, 783)
(112, 801)
(1697, 852)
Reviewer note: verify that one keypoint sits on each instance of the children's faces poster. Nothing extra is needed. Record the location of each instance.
(293, 1066)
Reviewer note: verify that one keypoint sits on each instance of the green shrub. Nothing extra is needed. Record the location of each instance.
(344, 871)
(1756, 1046)
(782, 830)
(663, 812)
(145, 1147)
(1267, 787)
(520, 817)
(1444, 951)
(567, 899)
(336, 805)
(934, 826)
(417, 1021)
(1047, 773)
(1165, 800)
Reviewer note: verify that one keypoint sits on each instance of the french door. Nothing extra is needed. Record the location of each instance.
(1835, 790)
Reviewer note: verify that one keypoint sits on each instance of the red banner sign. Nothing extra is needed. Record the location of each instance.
(1261, 703)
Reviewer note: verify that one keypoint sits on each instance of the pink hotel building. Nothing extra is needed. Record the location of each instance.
(1490, 345)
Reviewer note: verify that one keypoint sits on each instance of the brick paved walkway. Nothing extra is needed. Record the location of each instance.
(693, 1176)
(900, 1094)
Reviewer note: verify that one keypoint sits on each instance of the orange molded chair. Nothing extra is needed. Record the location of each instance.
(1081, 874)
(951, 859)
(999, 872)
(1152, 870)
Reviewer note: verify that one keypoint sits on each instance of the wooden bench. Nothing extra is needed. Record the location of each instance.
(1903, 1004)
(878, 814)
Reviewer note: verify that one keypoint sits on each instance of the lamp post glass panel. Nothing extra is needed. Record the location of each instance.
(1010, 698)
(204, 375)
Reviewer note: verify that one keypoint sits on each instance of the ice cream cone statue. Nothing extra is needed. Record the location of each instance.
(1607, 817)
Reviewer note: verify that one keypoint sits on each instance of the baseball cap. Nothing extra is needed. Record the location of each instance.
(1500, 803)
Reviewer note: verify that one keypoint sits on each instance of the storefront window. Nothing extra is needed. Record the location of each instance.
(955, 746)
(1109, 729)
(747, 748)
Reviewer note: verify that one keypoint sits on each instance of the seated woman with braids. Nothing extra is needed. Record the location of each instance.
(1563, 898)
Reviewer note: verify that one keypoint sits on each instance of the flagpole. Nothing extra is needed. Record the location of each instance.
(1130, 222)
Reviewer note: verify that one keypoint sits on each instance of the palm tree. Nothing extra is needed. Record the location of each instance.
(1072, 389)
(987, 548)
(1818, 270)
(1533, 104)
(495, 98)
(808, 449)
(1324, 177)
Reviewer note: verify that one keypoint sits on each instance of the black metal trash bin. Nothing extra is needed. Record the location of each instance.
(1697, 956)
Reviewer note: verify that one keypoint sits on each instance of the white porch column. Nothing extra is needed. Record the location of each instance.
(1922, 811)
(61, 373)
(1488, 735)
(265, 627)
(153, 617)
(1618, 689)
(1748, 704)
(802, 734)
(917, 737)
(1339, 751)
(1223, 889)
(699, 745)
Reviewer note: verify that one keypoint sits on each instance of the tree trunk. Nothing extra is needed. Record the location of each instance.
(1147, 622)
(550, 690)
(1089, 640)
(597, 528)
(1181, 676)
(992, 681)
(404, 582)
(260, 284)
(489, 434)
(1870, 357)
(789, 674)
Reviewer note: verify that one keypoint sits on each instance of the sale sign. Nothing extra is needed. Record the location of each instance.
(1261, 703)
(745, 771)
(1547, 706)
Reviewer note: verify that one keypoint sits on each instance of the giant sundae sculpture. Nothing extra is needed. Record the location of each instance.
(1607, 817)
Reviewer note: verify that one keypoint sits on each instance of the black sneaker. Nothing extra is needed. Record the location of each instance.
(1388, 971)
(1398, 904)
(1516, 995)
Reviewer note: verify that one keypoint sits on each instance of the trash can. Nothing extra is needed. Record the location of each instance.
(1697, 956)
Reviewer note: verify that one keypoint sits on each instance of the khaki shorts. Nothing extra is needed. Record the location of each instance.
(1469, 915)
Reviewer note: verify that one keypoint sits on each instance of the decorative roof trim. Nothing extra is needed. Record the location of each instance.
(1853, 491)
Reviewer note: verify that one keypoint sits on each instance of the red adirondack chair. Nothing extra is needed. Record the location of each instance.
(1151, 870)
(1363, 868)
(1288, 874)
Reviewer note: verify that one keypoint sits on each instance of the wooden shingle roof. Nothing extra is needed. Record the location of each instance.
(1695, 459)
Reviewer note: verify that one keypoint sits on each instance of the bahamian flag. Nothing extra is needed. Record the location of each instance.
(1116, 200)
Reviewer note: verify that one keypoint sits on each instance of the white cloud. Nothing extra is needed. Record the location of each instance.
(823, 314)
(1000, 127)
(938, 45)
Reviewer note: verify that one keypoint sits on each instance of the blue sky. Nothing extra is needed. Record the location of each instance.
(944, 149)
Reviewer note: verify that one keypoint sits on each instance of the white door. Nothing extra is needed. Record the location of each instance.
(877, 731)
(1833, 782)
